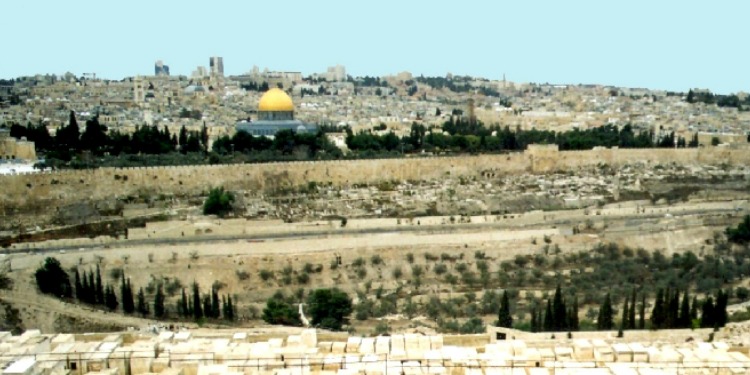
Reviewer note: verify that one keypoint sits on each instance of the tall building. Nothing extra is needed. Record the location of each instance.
(217, 66)
(336, 73)
(160, 69)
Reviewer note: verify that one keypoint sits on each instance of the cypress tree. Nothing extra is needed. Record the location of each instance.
(142, 307)
(197, 308)
(694, 309)
(207, 312)
(99, 287)
(625, 315)
(92, 289)
(230, 308)
(110, 298)
(215, 307)
(674, 309)
(684, 318)
(720, 310)
(605, 321)
(127, 296)
(631, 317)
(549, 324)
(657, 314)
(560, 312)
(504, 318)
(78, 286)
(534, 323)
(184, 310)
(574, 324)
(707, 313)
(642, 313)
(159, 311)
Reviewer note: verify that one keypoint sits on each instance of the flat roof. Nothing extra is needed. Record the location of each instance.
(20, 366)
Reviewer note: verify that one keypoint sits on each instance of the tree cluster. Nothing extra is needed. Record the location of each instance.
(464, 135)
(557, 316)
(97, 139)
(327, 308)
(211, 306)
(285, 142)
(669, 312)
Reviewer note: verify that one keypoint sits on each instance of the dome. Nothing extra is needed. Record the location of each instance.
(275, 100)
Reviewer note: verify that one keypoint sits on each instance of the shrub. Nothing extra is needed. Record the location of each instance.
(410, 257)
(376, 260)
(219, 202)
(397, 273)
(265, 275)
(303, 278)
(242, 275)
(440, 269)
(52, 279)
(359, 262)
(416, 270)
(430, 257)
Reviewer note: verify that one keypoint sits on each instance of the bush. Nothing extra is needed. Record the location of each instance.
(740, 234)
(359, 262)
(397, 273)
(416, 270)
(265, 275)
(52, 279)
(410, 257)
(219, 202)
(430, 257)
(242, 275)
(329, 308)
(376, 260)
(440, 269)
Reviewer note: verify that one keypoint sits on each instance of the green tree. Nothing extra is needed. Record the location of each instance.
(624, 318)
(219, 202)
(94, 137)
(605, 321)
(183, 308)
(548, 324)
(52, 279)
(329, 308)
(631, 315)
(504, 318)
(128, 306)
(110, 298)
(197, 308)
(79, 287)
(279, 311)
(684, 321)
(559, 311)
(142, 306)
(707, 313)
(658, 314)
(642, 312)
(99, 288)
(159, 310)
(741, 233)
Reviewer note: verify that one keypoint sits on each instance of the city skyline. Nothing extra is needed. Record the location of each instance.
(670, 45)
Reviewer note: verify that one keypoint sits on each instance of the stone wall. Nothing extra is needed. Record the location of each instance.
(10, 148)
(56, 189)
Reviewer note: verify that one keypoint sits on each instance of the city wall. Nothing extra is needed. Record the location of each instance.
(51, 190)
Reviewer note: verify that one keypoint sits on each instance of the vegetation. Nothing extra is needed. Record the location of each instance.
(219, 202)
(329, 308)
(52, 279)
(741, 233)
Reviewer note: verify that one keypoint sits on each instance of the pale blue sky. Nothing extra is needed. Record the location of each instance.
(659, 44)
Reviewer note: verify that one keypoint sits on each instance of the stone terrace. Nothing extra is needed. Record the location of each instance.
(230, 352)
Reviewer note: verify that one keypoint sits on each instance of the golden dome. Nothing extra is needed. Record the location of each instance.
(275, 100)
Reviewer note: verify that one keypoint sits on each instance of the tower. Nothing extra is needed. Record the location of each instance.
(139, 91)
(217, 66)
(160, 69)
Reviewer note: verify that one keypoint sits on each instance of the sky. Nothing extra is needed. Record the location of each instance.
(656, 44)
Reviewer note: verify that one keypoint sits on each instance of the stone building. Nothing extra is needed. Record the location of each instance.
(10, 148)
